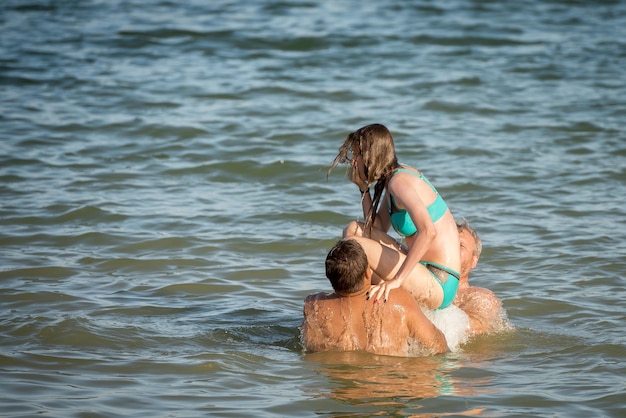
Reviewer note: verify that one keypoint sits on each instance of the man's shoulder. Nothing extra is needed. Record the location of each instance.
(401, 296)
(480, 290)
(473, 295)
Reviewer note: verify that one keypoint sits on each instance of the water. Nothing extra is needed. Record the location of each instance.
(165, 207)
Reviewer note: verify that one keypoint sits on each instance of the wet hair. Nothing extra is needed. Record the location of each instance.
(463, 225)
(375, 144)
(346, 264)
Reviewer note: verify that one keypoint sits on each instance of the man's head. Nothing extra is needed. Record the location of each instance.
(346, 265)
(471, 247)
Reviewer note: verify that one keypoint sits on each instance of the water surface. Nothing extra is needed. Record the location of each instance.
(165, 207)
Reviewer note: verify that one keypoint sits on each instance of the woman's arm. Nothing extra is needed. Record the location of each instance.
(357, 176)
(405, 189)
(366, 203)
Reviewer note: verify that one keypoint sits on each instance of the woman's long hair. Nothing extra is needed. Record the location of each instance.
(375, 144)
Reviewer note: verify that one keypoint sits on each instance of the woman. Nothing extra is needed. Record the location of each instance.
(403, 198)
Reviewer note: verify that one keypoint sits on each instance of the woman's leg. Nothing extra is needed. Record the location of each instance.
(356, 229)
(386, 261)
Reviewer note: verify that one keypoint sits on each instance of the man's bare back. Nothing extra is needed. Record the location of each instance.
(339, 323)
(347, 321)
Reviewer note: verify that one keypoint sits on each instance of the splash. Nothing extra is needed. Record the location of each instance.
(453, 322)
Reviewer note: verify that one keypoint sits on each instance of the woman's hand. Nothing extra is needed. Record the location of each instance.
(381, 290)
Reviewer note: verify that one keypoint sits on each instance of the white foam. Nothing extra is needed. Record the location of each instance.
(453, 322)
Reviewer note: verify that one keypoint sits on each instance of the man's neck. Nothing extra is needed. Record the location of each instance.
(361, 292)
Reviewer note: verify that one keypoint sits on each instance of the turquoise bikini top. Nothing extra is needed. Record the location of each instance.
(400, 219)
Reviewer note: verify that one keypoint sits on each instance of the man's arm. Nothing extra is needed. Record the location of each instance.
(420, 326)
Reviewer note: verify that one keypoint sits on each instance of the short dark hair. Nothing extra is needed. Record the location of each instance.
(346, 264)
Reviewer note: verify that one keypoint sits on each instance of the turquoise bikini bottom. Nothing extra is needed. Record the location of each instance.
(448, 280)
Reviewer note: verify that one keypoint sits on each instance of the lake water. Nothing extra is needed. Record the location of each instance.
(165, 207)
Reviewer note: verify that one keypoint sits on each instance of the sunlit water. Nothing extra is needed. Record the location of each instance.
(165, 207)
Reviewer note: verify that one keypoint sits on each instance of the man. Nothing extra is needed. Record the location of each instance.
(347, 320)
(481, 305)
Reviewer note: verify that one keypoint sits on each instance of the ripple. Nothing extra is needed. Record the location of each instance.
(165, 205)
(448, 107)
(490, 41)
